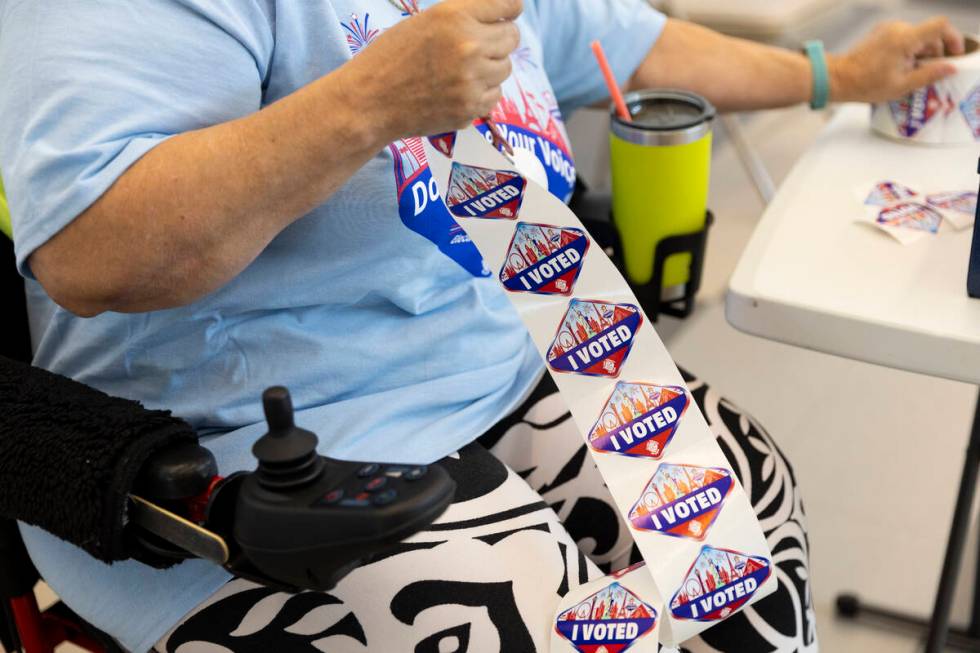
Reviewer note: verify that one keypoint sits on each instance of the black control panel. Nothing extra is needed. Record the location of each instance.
(306, 520)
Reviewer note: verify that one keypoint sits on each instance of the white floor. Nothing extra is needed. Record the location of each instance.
(877, 451)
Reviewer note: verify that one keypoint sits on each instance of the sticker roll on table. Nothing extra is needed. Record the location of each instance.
(947, 112)
(705, 554)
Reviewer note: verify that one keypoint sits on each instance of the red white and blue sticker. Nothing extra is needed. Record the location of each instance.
(970, 108)
(445, 142)
(717, 584)
(914, 112)
(888, 192)
(961, 202)
(594, 338)
(911, 215)
(483, 193)
(544, 259)
(682, 500)
(610, 620)
(639, 419)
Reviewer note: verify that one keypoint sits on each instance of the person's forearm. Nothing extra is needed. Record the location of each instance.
(197, 209)
(732, 73)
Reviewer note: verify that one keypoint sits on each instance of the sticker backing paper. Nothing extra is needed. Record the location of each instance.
(668, 477)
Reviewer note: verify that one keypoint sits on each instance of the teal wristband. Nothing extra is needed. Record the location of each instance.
(821, 77)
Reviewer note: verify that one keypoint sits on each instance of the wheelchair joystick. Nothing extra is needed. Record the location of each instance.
(304, 521)
(286, 454)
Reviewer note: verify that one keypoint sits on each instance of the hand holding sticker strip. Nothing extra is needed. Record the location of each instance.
(690, 517)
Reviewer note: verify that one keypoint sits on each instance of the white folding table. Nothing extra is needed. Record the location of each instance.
(812, 277)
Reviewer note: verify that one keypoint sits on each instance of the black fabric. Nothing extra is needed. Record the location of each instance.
(69, 455)
(16, 340)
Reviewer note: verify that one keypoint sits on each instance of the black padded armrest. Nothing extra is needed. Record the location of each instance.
(69, 456)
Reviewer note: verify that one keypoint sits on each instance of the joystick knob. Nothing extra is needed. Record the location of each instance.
(287, 454)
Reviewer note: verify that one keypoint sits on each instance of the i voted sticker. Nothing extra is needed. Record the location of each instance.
(717, 584)
(483, 193)
(594, 338)
(911, 215)
(610, 620)
(639, 419)
(970, 108)
(888, 192)
(544, 259)
(913, 112)
(961, 202)
(445, 142)
(682, 500)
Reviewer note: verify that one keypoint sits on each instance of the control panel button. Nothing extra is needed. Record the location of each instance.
(384, 498)
(368, 470)
(376, 484)
(333, 496)
(415, 473)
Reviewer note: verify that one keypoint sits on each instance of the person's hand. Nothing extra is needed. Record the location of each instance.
(440, 70)
(893, 60)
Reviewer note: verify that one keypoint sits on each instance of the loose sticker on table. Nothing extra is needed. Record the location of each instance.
(639, 419)
(884, 193)
(594, 338)
(544, 259)
(717, 584)
(483, 193)
(914, 111)
(959, 201)
(445, 143)
(610, 620)
(910, 215)
(970, 108)
(682, 500)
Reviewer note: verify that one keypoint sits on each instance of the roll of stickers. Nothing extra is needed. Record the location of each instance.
(705, 553)
(947, 112)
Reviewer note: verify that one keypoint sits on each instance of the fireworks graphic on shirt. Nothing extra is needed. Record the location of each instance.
(359, 35)
(594, 338)
(718, 583)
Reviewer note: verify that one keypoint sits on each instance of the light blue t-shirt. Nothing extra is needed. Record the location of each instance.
(375, 309)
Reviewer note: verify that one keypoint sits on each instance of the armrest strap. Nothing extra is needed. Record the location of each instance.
(69, 456)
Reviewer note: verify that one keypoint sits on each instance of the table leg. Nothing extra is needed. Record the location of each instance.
(939, 632)
(954, 548)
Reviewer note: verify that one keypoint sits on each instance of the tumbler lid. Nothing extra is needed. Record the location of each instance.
(664, 117)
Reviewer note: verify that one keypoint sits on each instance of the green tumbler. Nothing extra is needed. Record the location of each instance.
(660, 168)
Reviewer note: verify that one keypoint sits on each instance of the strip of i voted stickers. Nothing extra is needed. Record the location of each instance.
(705, 555)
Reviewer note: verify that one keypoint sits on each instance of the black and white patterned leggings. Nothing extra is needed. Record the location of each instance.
(531, 520)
